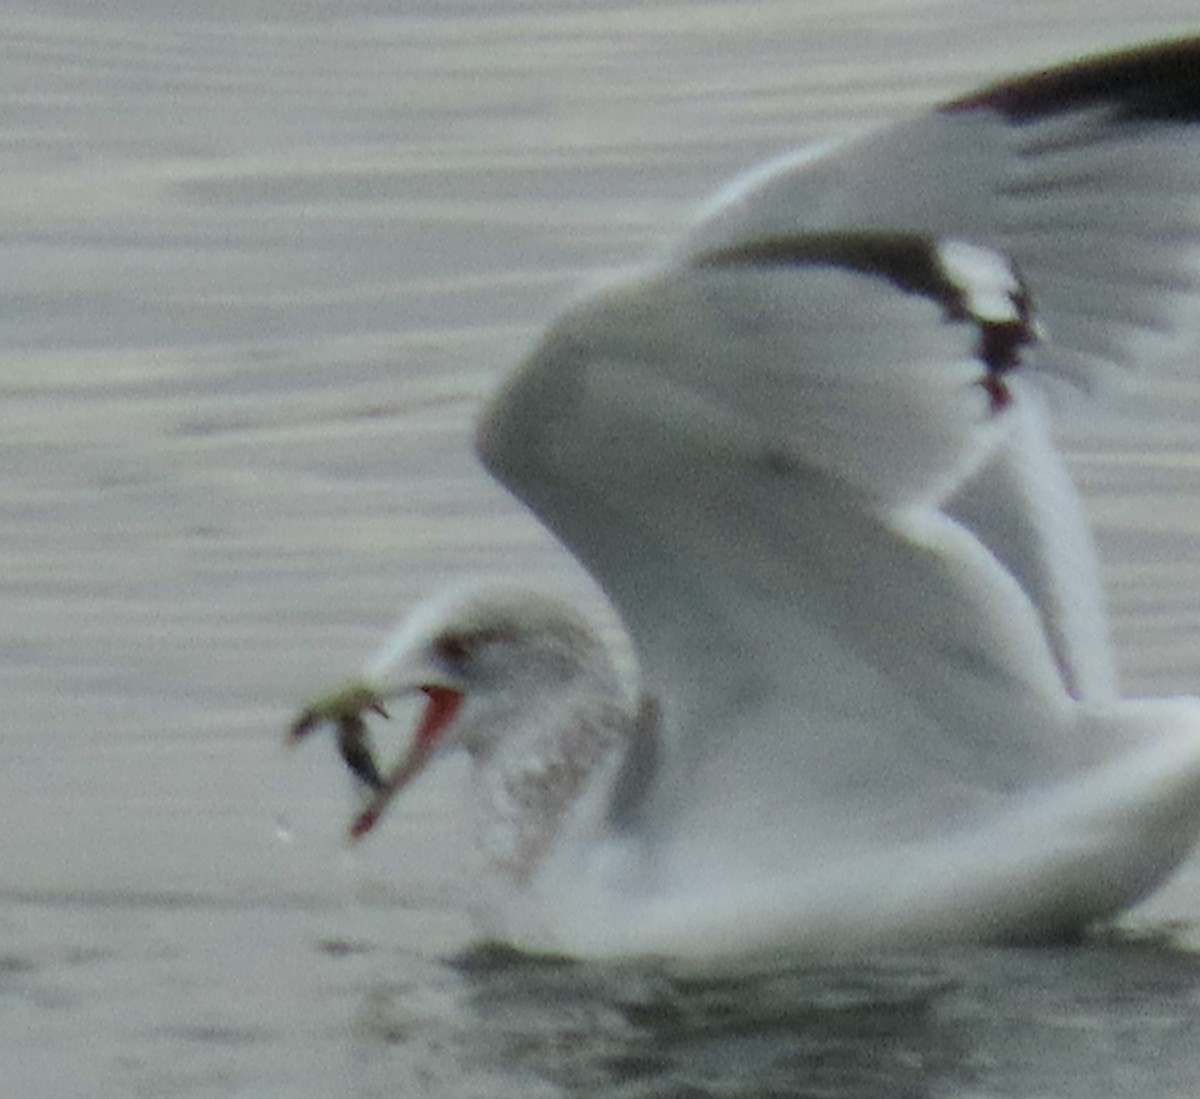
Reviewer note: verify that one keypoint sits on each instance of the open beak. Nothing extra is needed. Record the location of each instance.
(442, 706)
(345, 709)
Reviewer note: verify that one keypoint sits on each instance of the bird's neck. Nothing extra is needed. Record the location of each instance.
(525, 788)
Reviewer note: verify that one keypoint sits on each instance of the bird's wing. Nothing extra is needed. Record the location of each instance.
(1085, 176)
(763, 451)
(1025, 508)
(748, 456)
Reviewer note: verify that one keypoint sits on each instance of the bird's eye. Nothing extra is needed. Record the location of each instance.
(455, 649)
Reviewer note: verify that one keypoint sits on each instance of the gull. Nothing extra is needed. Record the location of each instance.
(807, 456)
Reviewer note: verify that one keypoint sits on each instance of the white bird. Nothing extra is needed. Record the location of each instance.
(807, 457)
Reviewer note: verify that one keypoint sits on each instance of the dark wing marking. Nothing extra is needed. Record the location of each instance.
(966, 281)
(1158, 82)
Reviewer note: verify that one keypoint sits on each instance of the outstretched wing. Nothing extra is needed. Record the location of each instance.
(1086, 177)
(748, 457)
(762, 451)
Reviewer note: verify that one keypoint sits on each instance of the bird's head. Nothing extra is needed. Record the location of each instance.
(484, 657)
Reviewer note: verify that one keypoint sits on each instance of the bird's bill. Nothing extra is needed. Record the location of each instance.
(442, 706)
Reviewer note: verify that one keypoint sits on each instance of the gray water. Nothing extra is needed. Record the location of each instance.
(258, 265)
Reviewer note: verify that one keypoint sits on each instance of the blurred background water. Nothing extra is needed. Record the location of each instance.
(259, 263)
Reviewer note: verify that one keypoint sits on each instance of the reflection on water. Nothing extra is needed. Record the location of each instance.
(1107, 1019)
(857, 1030)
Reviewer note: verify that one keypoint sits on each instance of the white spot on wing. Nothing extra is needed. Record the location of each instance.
(989, 285)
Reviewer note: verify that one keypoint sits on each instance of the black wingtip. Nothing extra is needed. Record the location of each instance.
(1158, 82)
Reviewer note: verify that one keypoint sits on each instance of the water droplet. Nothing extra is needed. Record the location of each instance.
(283, 829)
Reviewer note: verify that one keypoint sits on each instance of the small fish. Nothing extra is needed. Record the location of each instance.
(355, 746)
(345, 709)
